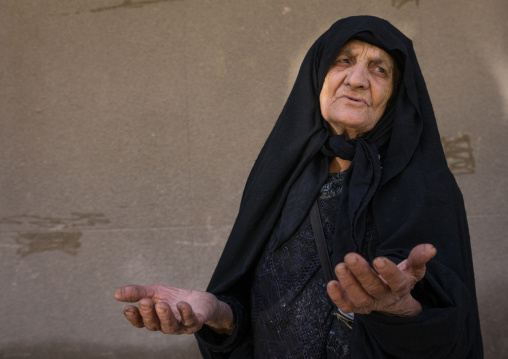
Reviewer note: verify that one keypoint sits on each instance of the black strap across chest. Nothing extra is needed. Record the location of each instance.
(319, 237)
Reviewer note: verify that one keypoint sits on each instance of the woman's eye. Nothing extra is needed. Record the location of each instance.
(343, 61)
(381, 70)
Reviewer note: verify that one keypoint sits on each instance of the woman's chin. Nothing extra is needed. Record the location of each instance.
(351, 127)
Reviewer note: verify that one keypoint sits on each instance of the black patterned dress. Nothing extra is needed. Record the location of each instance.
(292, 315)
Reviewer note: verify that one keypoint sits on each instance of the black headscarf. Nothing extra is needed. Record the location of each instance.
(411, 194)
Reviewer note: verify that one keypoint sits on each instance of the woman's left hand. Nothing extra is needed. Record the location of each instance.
(361, 290)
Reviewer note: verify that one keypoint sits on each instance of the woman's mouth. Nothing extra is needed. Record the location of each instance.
(357, 100)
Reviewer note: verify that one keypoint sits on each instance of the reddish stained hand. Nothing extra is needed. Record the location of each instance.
(173, 310)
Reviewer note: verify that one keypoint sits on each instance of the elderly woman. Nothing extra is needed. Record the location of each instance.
(352, 177)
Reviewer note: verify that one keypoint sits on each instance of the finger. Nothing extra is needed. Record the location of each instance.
(134, 293)
(339, 296)
(189, 319)
(399, 282)
(168, 323)
(147, 310)
(131, 313)
(417, 260)
(365, 275)
(355, 292)
(421, 255)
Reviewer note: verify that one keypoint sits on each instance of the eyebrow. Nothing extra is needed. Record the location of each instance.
(381, 61)
(345, 52)
(378, 60)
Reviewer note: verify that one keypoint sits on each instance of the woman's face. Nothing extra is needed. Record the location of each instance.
(357, 88)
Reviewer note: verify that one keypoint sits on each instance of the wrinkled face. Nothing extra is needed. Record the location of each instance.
(357, 88)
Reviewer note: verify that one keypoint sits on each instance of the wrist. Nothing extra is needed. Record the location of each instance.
(407, 307)
(222, 319)
(410, 308)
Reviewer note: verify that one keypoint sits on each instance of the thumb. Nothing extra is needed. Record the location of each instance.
(134, 293)
(418, 258)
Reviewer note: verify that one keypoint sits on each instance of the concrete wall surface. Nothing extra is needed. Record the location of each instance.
(128, 128)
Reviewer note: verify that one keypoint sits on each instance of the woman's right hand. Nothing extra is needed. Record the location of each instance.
(174, 310)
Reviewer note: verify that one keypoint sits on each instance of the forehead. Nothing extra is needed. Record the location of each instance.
(357, 48)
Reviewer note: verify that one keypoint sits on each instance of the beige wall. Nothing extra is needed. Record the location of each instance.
(127, 130)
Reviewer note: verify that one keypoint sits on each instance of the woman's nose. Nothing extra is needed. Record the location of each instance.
(358, 76)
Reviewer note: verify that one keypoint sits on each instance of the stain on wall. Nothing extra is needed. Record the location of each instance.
(459, 154)
(35, 234)
(399, 3)
(67, 242)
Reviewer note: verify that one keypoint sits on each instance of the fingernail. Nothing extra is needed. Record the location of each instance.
(160, 310)
(144, 306)
(352, 259)
(380, 263)
(129, 313)
(342, 270)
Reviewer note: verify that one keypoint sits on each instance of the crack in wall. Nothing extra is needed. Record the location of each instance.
(126, 4)
(129, 4)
